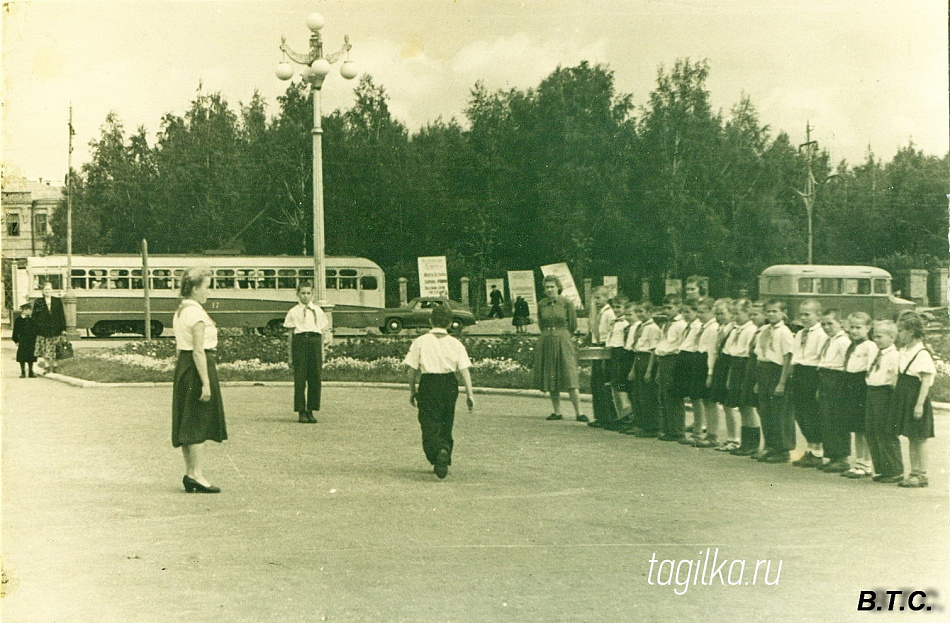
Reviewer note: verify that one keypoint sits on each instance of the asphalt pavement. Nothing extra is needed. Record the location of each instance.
(344, 520)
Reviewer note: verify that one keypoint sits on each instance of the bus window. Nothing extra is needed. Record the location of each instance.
(97, 279)
(267, 278)
(368, 282)
(137, 279)
(331, 279)
(347, 279)
(224, 279)
(806, 285)
(119, 279)
(79, 278)
(161, 279)
(287, 278)
(829, 285)
(880, 286)
(857, 286)
(55, 279)
(176, 278)
(246, 278)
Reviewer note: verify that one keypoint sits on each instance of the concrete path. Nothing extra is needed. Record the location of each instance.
(344, 521)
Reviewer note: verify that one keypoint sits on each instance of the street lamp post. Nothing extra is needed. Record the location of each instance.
(316, 68)
(811, 188)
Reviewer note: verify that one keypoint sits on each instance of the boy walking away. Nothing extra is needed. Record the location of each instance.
(437, 362)
(24, 336)
(305, 343)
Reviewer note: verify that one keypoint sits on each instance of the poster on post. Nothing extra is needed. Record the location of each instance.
(562, 272)
(433, 276)
(521, 283)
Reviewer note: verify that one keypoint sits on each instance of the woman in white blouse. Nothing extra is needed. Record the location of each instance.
(197, 410)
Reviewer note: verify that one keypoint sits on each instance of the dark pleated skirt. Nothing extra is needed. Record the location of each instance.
(555, 362)
(194, 421)
(905, 397)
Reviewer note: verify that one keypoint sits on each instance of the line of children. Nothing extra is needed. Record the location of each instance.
(840, 385)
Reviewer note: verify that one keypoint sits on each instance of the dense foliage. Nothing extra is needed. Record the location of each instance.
(567, 171)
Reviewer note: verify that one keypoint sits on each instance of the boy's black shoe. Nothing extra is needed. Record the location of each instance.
(32, 376)
(305, 418)
(554, 417)
(22, 375)
(442, 463)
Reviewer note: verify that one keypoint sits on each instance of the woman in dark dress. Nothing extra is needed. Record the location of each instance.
(24, 336)
(555, 357)
(50, 319)
(197, 409)
(521, 316)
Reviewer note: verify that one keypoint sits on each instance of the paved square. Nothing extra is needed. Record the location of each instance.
(344, 520)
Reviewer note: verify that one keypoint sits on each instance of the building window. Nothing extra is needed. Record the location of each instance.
(39, 225)
(13, 224)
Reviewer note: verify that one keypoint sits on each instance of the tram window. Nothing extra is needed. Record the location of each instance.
(347, 283)
(119, 279)
(224, 279)
(246, 278)
(830, 286)
(806, 285)
(267, 278)
(137, 283)
(97, 279)
(306, 272)
(368, 283)
(287, 278)
(161, 279)
(79, 279)
(55, 279)
(880, 286)
(331, 279)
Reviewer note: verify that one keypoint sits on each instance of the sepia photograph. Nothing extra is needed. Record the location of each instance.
(674, 274)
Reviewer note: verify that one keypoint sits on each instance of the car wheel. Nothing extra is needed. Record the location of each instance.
(393, 325)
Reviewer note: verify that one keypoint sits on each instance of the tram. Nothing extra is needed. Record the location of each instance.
(245, 291)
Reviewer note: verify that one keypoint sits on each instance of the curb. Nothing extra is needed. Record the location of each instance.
(499, 391)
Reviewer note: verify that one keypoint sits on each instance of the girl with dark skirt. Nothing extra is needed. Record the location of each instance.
(555, 358)
(197, 410)
(916, 373)
(24, 336)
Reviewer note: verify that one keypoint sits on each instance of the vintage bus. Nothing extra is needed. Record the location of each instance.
(847, 288)
(246, 291)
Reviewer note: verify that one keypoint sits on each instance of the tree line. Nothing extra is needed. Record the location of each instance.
(570, 170)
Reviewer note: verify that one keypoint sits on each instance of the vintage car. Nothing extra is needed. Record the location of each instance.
(415, 315)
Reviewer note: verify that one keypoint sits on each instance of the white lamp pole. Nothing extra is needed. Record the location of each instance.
(316, 68)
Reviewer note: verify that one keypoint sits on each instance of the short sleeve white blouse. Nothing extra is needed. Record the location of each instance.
(188, 315)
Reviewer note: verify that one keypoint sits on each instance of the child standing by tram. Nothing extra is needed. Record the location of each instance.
(308, 336)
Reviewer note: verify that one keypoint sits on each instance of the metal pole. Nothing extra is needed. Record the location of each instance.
(319, 272)
(69, 297)
(148, 299)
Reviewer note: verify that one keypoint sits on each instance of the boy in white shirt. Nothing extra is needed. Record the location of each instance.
(305, 345)
(437, 361)
(881, 415)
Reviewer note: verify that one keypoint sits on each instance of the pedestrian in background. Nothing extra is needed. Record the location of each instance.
(305, 345)
(50, 322)
(495, 298)
(521, 317)
(24, 336)
(197, 409)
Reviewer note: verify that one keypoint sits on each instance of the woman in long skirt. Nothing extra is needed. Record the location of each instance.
(555, 357)
(197, 410)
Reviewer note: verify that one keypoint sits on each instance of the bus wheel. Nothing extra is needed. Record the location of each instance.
(393, 325)
(102, 329)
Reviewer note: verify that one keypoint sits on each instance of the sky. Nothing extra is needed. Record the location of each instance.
(863, 73)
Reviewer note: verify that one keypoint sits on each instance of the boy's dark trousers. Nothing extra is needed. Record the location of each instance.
(435, 398)
(881, 425)
(644, 396)
(835, 436)
(778, 422)
(672, 409)
(307, 350)
(803, 391)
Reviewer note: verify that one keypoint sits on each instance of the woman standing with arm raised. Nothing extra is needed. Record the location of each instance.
(197, 410)
(555, 357)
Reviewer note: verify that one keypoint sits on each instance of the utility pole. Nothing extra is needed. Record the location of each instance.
(809, 195)
(69, 297)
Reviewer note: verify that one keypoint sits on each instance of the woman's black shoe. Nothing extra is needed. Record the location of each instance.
(193, 486)
(555, 416)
